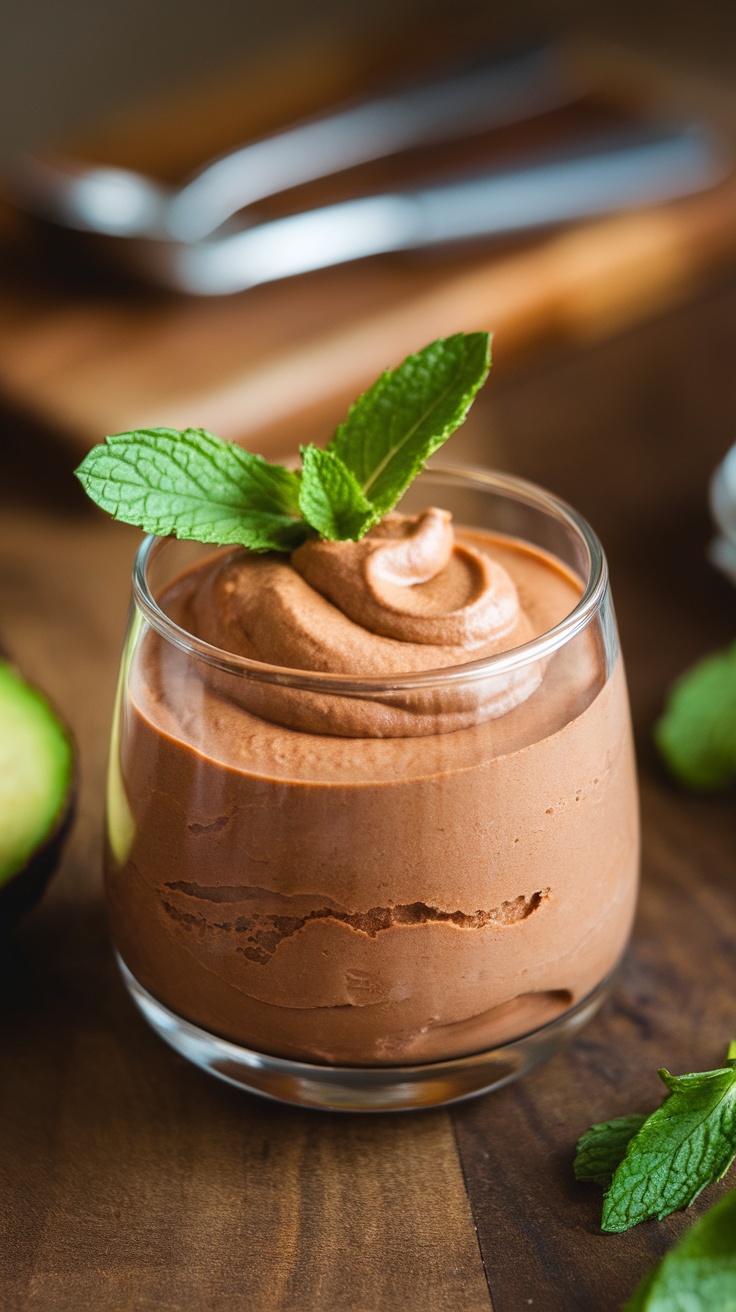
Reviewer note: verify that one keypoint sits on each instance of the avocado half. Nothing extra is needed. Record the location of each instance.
(37, 792)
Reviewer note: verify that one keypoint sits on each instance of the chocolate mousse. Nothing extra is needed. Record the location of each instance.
(400, 867)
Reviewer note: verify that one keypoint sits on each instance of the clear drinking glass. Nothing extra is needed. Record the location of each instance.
(376, 922)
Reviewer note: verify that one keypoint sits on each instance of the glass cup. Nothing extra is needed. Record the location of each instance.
(381, 918)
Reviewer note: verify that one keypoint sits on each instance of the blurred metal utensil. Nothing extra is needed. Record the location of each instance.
(642, 167)
(122, 203)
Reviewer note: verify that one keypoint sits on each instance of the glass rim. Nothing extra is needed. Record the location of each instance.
(502, 663)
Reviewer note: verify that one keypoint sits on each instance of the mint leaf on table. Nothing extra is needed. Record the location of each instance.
(394, 427)
(330, 498)
(686, 1144)
(697, 733)
(699, 1273)
(194, 485)
(689, 1142)
(602, 1149)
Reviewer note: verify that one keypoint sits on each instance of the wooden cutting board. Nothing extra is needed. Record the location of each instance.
(279, 364)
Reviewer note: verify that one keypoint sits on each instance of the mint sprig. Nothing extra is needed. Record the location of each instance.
(194, 485)
(699, 1273)
(407, 414)
(662, 1164)
(697, 733)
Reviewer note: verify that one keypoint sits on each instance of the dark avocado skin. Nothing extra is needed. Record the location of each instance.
(24, 889)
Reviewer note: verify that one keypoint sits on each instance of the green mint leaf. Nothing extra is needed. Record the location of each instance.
(600, 1152)
(697, 733)
(689, 1142)
(699, 1273)
(394, 427)
(194, 485)
(330, 498)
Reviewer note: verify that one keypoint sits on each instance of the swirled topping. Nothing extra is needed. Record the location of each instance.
(406, 598)
(409, 579)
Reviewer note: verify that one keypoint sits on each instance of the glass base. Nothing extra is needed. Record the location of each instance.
(363, 1088)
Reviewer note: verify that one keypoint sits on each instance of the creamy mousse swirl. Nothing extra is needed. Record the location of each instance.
(407, 598)
(409, 579)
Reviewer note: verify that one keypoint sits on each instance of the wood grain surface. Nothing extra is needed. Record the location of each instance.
(130, 1182)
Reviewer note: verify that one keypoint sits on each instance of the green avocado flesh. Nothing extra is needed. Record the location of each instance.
(35, 771)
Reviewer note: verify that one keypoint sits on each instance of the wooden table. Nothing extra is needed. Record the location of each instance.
(132, 1181)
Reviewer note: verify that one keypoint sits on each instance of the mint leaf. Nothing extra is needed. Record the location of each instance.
(697, 733)
(689, 1142)
(686, 1144)
(394, 427)
(699, 1273)
(330, 498)
(601, 1150)
(194, 485)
